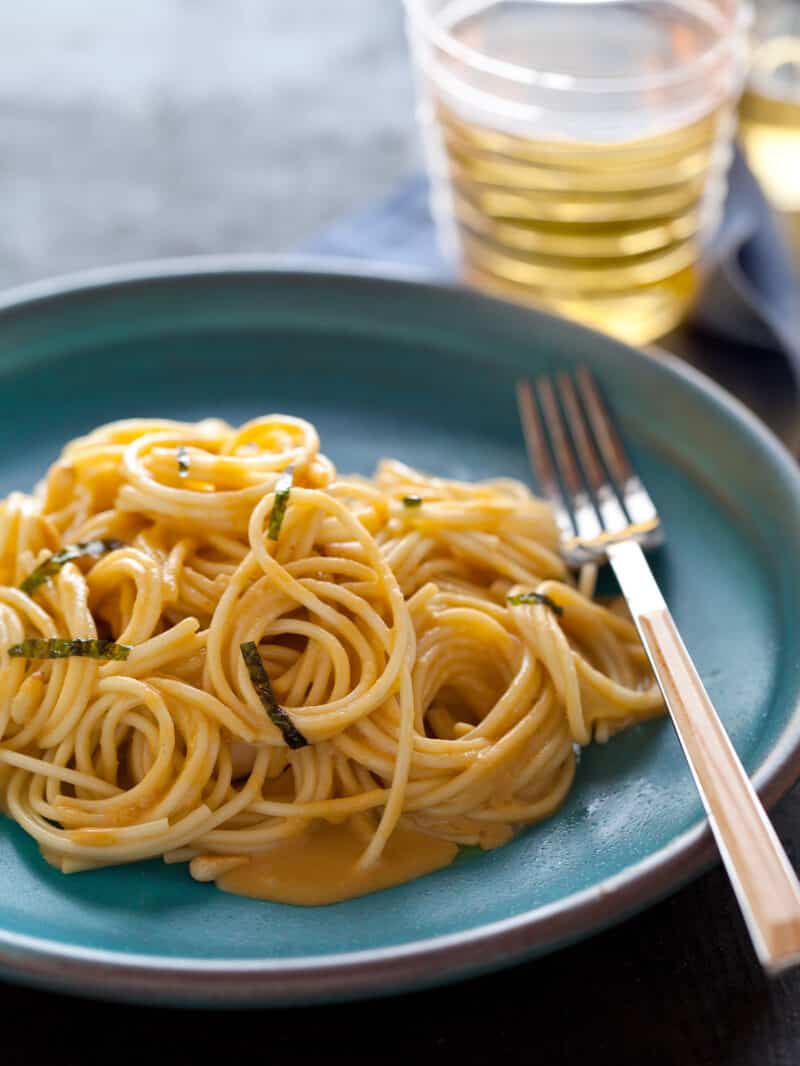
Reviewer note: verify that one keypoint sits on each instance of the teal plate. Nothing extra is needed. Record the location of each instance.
(426, 373)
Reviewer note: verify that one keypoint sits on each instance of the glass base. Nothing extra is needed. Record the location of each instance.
(638, 316)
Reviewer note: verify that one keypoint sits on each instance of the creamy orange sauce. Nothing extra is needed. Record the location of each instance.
(321, 866)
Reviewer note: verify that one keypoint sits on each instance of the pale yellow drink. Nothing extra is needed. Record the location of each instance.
(571, 194)
(770, 128)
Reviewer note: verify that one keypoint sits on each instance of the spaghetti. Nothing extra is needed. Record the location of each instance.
(388, 667)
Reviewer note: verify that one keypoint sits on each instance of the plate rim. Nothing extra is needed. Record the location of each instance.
(135, 977)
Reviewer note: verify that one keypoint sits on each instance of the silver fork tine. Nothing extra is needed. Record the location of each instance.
(611, 513)
(584, 514)
(638, 504)
(539, 456)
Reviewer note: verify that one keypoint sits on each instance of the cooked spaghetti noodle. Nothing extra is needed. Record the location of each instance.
(292, 650)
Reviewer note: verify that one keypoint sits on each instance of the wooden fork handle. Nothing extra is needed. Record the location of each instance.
(762, 877)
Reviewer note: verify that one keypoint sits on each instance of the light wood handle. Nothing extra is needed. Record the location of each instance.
(762, 877)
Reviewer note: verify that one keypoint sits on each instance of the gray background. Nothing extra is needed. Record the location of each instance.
(131, 129)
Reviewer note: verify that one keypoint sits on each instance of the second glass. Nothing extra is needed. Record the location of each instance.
(770, 112)
(578, 148)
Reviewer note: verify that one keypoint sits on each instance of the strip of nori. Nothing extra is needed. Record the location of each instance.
(536, 597)
(66, 647)
(283, 486)
(261, 683)
(93, 549)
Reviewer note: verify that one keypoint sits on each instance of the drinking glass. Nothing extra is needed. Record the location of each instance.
(578, 149)
(770, 110)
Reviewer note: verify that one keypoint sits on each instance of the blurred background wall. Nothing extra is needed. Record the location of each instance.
(130, 130)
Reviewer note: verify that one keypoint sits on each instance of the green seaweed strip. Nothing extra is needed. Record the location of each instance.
(412, 501)
(535, 597)
(93, 549)
(283, 486)
(469, 851)
(183, 461)
(261, 683)
(65, 648)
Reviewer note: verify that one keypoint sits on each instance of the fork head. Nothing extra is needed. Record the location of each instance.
(583, 469)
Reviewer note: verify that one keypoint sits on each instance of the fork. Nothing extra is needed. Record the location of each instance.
(605, 514)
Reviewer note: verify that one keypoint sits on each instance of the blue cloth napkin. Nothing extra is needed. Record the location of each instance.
(750, 298)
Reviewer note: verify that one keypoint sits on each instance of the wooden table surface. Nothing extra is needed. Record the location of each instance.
(163, 128)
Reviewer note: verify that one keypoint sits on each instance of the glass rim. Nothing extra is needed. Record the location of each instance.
(420, 19)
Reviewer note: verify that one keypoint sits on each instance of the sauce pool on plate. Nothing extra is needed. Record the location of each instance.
(322, 866)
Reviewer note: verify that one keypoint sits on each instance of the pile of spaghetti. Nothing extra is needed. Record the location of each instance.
(209, 641)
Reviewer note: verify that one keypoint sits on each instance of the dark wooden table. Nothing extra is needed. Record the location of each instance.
(164, 128)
